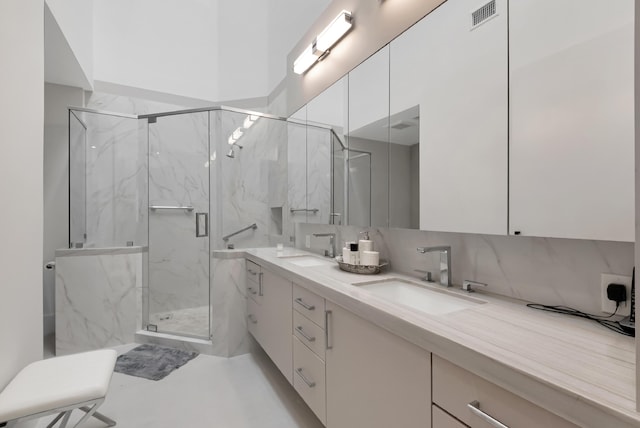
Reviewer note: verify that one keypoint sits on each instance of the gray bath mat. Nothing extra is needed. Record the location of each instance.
(152, 362)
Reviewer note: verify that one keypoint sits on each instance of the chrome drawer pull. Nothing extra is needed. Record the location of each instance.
(474, 406)
(309, 383)
(253, 319)
(305, 335)
(327, 343)
(252, 291)
(304, 305)
(252, 272)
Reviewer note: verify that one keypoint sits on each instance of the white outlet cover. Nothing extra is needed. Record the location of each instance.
(307, 241)
(608, 306)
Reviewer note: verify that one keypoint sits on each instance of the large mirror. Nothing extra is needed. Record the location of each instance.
(368, 137)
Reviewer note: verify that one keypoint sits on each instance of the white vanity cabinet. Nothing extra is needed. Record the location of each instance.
(270, 317)
(374, 378)
(572, 119)
(457, 74)
(456, 389)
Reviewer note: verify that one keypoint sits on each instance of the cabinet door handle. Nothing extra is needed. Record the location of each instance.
(474, 406)
(309, 383)
(304, 305)
(260, 292)
(252, 291)
(252, 272)
(305, 335)
(253, 319)
(327, 316)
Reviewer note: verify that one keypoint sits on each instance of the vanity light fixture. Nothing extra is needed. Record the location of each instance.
(306, 59)
(334, 31)
(323, 42)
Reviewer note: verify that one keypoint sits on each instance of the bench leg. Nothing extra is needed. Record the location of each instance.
(57, 418)
(91, 411)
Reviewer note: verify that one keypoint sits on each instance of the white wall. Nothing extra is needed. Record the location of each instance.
(210, 50)
(21, 109)
(163, 46)
(288, 22)
(75, 18)
(56, 184)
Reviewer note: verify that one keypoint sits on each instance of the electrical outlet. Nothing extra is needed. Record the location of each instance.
(608, 306)
(307, 241)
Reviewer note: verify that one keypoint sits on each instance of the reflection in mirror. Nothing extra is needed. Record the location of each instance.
(296, 170)
(326, 159)
(368, 154)
(404, 169)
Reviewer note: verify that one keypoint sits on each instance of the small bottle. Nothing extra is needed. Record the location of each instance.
(355, 254)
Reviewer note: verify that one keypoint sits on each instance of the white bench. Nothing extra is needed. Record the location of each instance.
(59, 385)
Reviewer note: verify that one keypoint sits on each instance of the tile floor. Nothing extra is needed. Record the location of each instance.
(246, 391)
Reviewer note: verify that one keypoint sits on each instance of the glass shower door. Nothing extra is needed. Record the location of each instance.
(179, 292)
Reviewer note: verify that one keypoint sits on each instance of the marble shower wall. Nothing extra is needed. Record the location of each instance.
(543, 270)
(251, 186)
(178, 176)
(98, 297)
(108, 186)
(319, 149)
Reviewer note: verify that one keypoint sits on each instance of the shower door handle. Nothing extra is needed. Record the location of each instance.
(202, 225)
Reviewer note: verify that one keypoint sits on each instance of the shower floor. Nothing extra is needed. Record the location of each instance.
(189, 321)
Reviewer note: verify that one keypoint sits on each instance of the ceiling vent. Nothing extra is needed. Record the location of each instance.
(401, 125)
(483, 14)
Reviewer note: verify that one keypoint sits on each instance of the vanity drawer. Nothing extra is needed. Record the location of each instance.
(455, 389)
(309, 333)
(254, 281)
(309, 379)
(308, 304)
(253, 315)
(253, 272)
(442, 419)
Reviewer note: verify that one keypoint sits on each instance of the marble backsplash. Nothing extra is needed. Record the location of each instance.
(542, 270)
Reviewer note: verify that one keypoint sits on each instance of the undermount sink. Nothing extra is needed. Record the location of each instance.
(416, 296)
(306, 261)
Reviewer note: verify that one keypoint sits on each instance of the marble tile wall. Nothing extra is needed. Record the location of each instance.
(230, 336)
(251, 185)
(543, 270)
(98, 297)
(319, 174)
(115, 169)
(297, 175)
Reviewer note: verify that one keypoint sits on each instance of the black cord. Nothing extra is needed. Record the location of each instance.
(602, 320)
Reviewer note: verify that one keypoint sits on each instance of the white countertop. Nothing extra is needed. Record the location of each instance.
(572, 367)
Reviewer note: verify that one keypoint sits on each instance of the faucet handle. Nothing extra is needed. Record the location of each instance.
(427, 274)
(468, 285)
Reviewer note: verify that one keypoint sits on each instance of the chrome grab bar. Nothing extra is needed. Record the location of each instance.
(253, 226)
(308, 210)
(169, 207)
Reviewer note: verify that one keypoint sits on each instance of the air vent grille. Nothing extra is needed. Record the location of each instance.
(482, 14)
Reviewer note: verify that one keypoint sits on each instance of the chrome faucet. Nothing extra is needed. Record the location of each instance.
(331, 251)
(445, 262)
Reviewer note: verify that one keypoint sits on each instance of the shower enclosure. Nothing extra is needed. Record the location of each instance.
(179, 184)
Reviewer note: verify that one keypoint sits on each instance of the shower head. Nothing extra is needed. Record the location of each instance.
(231, 154)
